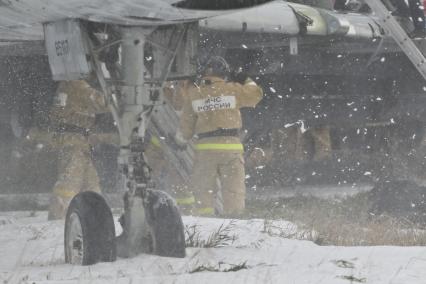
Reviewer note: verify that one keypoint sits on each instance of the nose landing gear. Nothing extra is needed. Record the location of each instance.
(151, 220)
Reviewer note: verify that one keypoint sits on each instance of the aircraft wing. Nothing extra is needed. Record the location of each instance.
(22, 20)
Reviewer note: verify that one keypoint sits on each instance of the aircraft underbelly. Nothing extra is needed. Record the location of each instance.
(22, 20)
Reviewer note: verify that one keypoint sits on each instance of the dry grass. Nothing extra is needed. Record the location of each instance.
(341, 223)
(219, 267)
(288, 232)
(375, 232)
(220, 237)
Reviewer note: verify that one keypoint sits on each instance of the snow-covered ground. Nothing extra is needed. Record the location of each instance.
(31, 251)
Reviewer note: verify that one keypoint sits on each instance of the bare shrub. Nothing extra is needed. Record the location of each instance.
(220, 237)
(288, 231)
(381, 230)
(220, 267)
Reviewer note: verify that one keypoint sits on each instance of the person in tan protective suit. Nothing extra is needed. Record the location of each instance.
(72, 117)
(211, 113)
(292, 143)
(322, 142)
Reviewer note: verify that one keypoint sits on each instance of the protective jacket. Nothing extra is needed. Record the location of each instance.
(215, 105)
(76, 105)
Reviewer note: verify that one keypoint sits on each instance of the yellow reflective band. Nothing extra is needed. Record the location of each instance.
(214, 146)
(185, 201)
(155, 141)
(205, 211)
(64, 193)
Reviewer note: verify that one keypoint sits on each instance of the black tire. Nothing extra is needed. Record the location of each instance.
(165, 223)
(89, 230)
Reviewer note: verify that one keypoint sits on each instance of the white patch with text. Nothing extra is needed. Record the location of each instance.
(214, 103)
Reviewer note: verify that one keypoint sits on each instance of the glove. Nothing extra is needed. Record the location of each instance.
(176, 142)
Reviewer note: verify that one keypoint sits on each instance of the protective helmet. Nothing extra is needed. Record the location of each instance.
(217, 66)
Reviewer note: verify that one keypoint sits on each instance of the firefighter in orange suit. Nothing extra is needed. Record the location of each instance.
(211, 115)
(73, 117)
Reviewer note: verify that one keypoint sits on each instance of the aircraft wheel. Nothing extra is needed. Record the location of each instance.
(165, 224)
(89, 230)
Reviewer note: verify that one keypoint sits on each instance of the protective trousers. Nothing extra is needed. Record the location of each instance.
(76, 173)
(214, 170)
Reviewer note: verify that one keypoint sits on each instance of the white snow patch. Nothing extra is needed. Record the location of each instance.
(32, 252)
